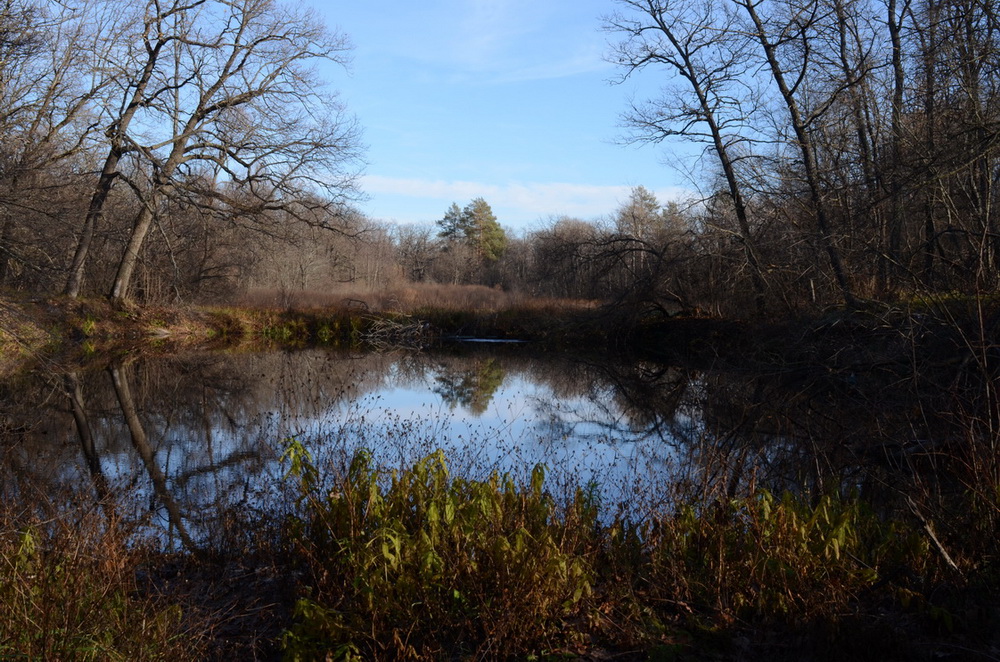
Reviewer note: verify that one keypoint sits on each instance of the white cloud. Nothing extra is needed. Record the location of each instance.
(496, 41)
(520, 202)
(583, 62)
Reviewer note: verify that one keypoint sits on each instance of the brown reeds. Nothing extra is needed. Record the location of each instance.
(69, 590)
(407, 298)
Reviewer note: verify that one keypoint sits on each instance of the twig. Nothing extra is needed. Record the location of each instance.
(929, 530)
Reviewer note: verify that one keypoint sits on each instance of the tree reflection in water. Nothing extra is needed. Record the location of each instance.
(196, 435)
(472, 388)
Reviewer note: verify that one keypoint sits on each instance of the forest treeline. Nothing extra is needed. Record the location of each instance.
(850, 145)
(188, 151)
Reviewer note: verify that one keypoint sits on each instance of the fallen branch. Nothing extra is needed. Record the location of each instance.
(384, 333)
(929, 530)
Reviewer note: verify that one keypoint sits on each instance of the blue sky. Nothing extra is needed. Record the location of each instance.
(509, 100)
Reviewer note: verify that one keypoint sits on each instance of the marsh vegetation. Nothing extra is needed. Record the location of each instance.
(497, 501)
(758, 423)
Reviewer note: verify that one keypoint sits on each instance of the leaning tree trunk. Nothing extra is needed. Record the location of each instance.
(144, 221)
(806, 147)
(130, 258)
(104, 184)
(117, 132)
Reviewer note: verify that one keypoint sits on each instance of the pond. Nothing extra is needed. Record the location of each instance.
(189, 436)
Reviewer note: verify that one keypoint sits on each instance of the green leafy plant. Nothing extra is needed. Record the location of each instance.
(419, 563)
(761, 557)
(88, 326)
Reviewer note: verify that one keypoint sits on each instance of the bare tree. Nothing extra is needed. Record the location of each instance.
(46, 86)
(794, 28)
(563, 263)
(416, 250)
(695, 42)
(895, 13)
(232, 84)
(117, 53)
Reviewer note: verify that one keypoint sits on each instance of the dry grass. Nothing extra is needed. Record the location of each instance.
(59, 328)
(69, 590)
(406, 298)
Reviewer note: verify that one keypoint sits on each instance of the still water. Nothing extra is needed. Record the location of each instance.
(188, 436)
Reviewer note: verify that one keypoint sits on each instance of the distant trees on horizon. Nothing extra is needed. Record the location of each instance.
(166, 151)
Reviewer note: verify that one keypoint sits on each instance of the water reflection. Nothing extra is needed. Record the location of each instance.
(191, 436)
(472, 389)
(137, 434)
(74, 391)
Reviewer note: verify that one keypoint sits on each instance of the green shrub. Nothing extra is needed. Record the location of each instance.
(420, 564)
(765, 558)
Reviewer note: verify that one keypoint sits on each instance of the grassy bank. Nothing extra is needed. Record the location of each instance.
(874, 335)
(364, 563)
(69, 329)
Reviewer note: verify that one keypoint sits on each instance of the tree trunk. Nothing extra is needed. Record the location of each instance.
(104, 184)
(117, 133)
(896, 149)
(809, 162)
(126, 266)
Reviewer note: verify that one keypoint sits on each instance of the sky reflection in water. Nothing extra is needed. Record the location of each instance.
(192, 435)
(580, 437)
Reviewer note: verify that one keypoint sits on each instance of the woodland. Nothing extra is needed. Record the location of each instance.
(819, 320)
(848, 155)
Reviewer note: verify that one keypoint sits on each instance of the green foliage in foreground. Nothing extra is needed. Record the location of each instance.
(763, 558)
(418, 564)
(427, 564)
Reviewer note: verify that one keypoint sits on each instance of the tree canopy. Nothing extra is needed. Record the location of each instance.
(475, 226)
